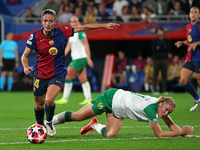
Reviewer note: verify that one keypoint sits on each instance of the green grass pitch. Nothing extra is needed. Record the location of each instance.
(17, 114)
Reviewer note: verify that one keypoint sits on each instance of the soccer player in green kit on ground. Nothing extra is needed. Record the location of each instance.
(118, 105)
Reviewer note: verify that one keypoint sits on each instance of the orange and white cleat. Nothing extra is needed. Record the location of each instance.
(89, 126)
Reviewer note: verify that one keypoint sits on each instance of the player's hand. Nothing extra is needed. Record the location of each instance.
(28, 70)
(178, 44)
(90, 63)
(192, 46)
(187, 130)
(112, 25)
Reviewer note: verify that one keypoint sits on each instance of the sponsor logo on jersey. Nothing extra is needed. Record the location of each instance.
(100, 106)
(42, 40)
(66, 27)
(29, 42)
(53, 51)
(189, 38)
(51, 42)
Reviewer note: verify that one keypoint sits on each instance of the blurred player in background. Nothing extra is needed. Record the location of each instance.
(9, 60)
(80, 53)
(192, 63)
(118, 105)
(49, 71)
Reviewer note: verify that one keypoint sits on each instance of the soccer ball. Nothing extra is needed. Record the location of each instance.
(36, 134)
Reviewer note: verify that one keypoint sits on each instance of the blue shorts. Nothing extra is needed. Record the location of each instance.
(40, 85)
(193, 66)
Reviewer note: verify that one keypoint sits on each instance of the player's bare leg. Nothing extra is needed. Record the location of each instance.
(82, 76)
(112, 127)
(84, 113)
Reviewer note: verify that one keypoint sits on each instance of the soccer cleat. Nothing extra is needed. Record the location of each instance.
(50, 128)
(84, 102)
(61, 101)
(89, 126)
(196, 105)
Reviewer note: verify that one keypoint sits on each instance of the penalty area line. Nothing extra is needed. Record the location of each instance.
(84, 140)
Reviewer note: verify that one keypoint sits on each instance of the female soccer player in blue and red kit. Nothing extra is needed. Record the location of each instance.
(192, 63)
(50, 71)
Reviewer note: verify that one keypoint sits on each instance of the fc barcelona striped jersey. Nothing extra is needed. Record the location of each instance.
(193, 35)
(51, 51)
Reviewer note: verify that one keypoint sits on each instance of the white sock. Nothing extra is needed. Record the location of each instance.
(86, 90)
(59, 118)
(146, 87)
(98, 127)
(67, 90)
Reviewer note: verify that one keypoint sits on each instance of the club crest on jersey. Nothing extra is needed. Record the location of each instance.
(53, 51)
(189, 38)
(51, 42)
(100, 106)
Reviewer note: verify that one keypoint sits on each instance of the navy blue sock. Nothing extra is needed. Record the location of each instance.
(190, 89)
(39, 115)
(49, 112)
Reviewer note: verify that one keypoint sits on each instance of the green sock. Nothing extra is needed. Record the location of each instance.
(103, 131)
(68, 116)
(68, 81)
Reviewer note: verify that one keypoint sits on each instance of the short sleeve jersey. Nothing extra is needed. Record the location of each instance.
(135, 106)
(193, 35)
(77, 47)
(8, 48)
(50, 50)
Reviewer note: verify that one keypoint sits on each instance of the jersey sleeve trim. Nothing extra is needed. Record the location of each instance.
(81, 35)
(151, 112)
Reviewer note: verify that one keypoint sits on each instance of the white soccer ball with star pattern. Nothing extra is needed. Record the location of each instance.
(36, 134)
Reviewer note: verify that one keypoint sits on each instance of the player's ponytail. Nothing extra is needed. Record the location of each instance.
(168, 100)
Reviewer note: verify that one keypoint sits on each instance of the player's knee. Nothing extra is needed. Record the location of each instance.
(110, 134)
(49, 101)
(39, 106)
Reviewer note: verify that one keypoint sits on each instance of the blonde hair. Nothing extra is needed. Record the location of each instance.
(168, 100)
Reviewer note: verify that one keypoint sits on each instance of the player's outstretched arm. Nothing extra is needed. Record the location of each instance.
(175, 130)
(87, 27)
(24, 60)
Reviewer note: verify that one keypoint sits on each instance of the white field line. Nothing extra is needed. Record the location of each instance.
(83, 140)
(57, 127)
(77, 140)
